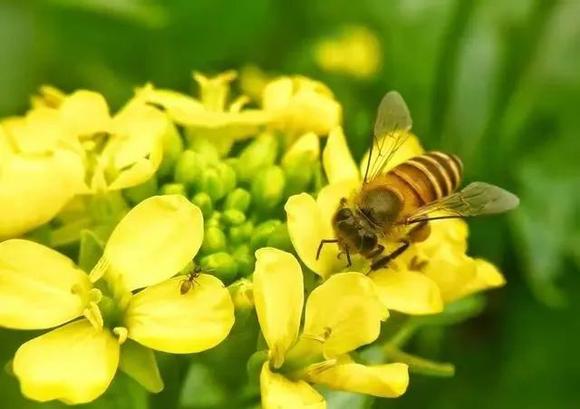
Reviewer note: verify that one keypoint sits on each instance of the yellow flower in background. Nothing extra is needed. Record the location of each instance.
(355, 51)
(211, 116)
(137, 300)
(418, 282)
(39, 175)
(341, 315)
(299, 105)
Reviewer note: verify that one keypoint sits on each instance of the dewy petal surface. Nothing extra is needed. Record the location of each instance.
(162, 318)
(278, 392)
(39, 287)
(345, 313)
(74, 363)
(155, 240)
(387, 381)
(279, 297)
(407, 291)
(337, 159)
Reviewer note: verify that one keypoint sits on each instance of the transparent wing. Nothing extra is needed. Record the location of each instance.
(475, 199)
(390, 132)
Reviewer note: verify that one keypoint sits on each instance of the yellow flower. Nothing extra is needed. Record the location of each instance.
(75, 363)
(212, 116)
(418, 282)
(299, 105)
(341, 315)
(121, 151)
(355, 51)
(38, 174)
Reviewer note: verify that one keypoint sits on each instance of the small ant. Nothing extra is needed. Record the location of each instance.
(187, 283)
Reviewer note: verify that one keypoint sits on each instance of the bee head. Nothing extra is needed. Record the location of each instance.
(353, 231)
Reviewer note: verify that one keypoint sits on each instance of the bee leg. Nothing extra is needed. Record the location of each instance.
(376, 252)
(383, 261)
(322, 243)
(347, 252)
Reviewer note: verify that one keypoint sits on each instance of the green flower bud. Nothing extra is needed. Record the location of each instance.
(262, 233)
(189, 168)
(260, 153)
(254, 365)
(214, 240)
(299, 173)
(203, 146)
(203, 201)
(244, 259)
(215, 220)
(173, 189)
(172, 148)
(241, 233)
(222, 265)
(233, 217)
(228, 176)
(137, 194)
(238, 199)
(212, 184)
(268, 188)
(280, 238)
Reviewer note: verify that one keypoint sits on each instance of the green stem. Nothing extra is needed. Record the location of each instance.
(420, 365)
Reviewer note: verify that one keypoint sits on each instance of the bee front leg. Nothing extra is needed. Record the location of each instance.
(383, 261)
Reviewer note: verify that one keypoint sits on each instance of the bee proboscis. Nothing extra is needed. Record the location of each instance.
(397, 205)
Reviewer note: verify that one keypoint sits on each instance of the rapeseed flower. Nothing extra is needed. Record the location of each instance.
(341, 315)
(110, 317)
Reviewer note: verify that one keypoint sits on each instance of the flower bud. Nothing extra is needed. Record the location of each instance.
(188, 168)
(241, 233)
(222, 265)
(227, 175)
(137, 194)
(233, 217)
(280, 238)
(215, 220)
(268, 188)
(172, 148)
(203, 146)
(242, 293)
(262, 233)
(244, 259)
(214, 240)
(238, 199)
(212, 184)
(299, 174)
(260, 153)
(203, 201)
(173, 189)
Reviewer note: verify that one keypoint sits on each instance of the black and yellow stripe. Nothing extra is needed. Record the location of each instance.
(430, 176)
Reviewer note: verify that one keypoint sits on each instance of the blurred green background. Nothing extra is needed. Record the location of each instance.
(497, 82)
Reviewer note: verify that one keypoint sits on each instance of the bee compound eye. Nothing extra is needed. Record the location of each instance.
(368, 241)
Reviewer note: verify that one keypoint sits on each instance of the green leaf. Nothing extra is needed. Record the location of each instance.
(91, 250)
(202, 389)
(140, 364)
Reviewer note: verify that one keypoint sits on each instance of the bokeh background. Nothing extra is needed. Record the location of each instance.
(495, 81)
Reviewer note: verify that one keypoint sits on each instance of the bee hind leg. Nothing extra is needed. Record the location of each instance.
(383, 261)
(322, 243)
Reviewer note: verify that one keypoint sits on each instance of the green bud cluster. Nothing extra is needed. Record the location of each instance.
(241, 196)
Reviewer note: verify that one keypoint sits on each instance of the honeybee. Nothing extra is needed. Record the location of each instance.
(398, 205)
(188, 282)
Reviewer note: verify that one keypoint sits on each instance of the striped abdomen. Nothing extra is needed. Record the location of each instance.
(430, 176)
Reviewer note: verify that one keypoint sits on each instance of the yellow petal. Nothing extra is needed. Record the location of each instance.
(411, 147)
(345, 312)
(308, 144)
(74, 363)
(39, 287)
(33, 189)
(407, 291)
(278, 392)
(162, 318)
(306, 228)
(85, 113)
(387, 381)
(486, 276)
(279, 297)
(155, 240)
(178, 106)
(337, 159)
(453, 272)
(37, 133)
